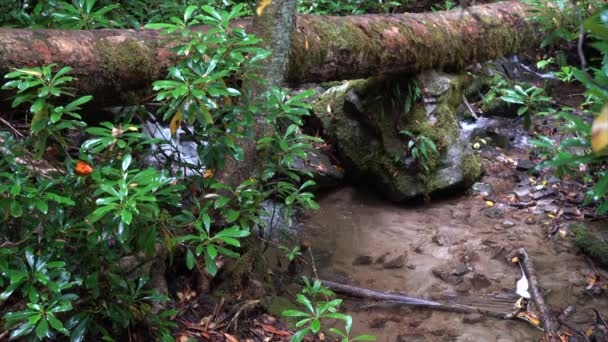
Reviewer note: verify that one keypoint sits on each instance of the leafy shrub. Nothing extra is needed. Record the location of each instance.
(318, 308)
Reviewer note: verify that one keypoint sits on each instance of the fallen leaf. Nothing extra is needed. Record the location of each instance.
(230, 338)
(515, 259)
(529, 317)
(176, 121)
(306, 46)
(262, 7)
(208, 173)
(273, 330)
(490, 204)
(182, 338)
(599, 131)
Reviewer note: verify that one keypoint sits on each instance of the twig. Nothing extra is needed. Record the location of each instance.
(545, 313)
(8, 124)
(581, 56)
(469, 107)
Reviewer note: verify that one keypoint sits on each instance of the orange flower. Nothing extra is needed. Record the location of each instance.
(83, 168)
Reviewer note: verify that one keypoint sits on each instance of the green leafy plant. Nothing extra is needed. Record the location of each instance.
(293, 253)
(530, 100)
(81, 14)
(317, 310)
(38, 87)
(422, 149)
(559, 19)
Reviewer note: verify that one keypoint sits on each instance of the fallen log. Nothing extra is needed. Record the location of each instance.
(449, 304)
(548, 322)
(119, 66)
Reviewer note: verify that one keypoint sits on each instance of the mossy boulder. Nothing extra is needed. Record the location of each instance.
(591, 243)
(363, 119)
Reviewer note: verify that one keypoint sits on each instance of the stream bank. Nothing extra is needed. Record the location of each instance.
(455, 246)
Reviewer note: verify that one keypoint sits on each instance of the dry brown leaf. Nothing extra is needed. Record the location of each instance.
(273, 330)
(181, 338)
(262, 7)
(230, 338)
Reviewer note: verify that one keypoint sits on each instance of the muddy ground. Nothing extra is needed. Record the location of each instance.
(428, 244)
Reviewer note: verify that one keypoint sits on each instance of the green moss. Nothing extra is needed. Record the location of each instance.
(127, 57)
(276, 306)
(471, 168)
(590, 244)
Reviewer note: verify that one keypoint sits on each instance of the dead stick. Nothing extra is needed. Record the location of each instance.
(546, 316)
(406, 300)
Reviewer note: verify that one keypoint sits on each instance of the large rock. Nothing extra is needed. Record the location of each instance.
(363, 119)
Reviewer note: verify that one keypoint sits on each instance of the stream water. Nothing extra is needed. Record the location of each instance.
(427, 243)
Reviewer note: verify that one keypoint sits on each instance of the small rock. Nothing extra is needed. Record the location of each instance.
(461, 270)
(508, 224)
(398, 262)
(522, 192)
(378, 323)
(549, 192)
(480, 281)
(498, 227)
(497, 211)
(473, 318)
(572, 211)
(463, 287)
(445, 276)
(499, 252)
(545, 202)
(484, 189)
(537, 195)
(411, 266)
(363, 260)
(523, 178)
(551, 209)
(440, 240)
(553, 180)
(525, 165)
(530, 220)
(381, 259)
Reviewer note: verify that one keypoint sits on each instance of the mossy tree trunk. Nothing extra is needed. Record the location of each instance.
(273, 23)
(119, 66)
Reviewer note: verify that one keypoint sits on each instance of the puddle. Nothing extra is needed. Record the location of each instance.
(440, 236)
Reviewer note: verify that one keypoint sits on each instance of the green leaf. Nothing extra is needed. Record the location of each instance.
(299, 336)
(315, 326)
(22, 330)
(210, 265)
(126, 216)
(190, 259)
(79, 332)
(305, 301)
(42, 330)
(212, 251)
(232, 216)
(126, 161)
(294, 313)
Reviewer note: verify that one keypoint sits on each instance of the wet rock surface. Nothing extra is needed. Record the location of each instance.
(365, 132)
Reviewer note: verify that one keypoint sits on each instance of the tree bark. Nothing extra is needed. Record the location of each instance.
(273, 23)
(119, 66)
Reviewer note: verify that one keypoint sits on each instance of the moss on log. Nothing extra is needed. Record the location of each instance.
(119, 66)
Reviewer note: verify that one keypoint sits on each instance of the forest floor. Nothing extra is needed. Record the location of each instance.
(459, 245)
